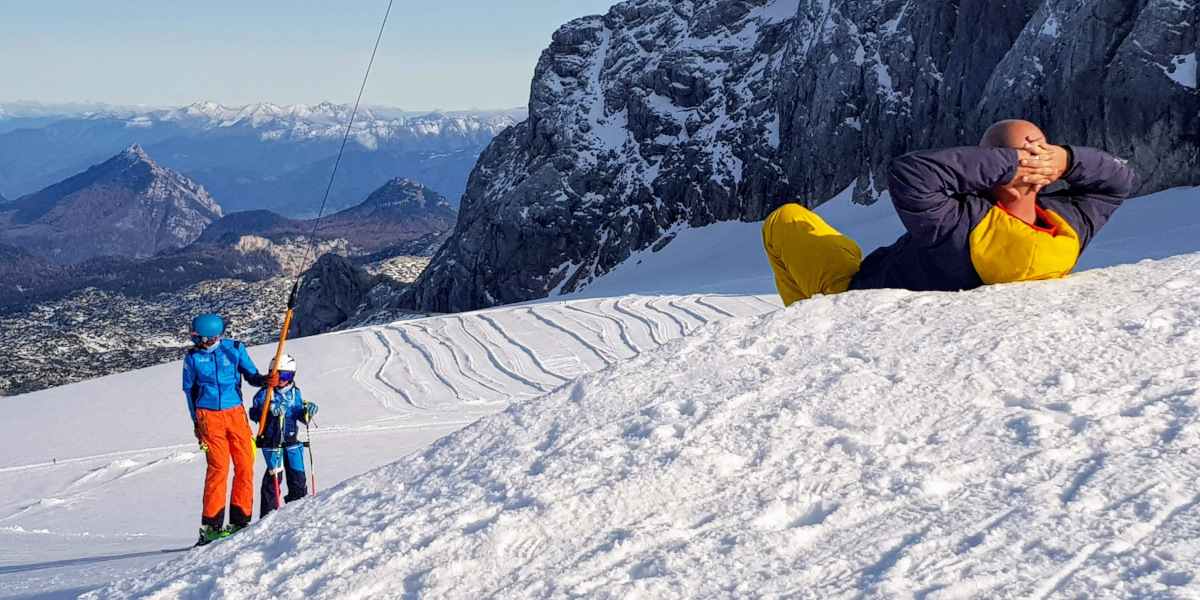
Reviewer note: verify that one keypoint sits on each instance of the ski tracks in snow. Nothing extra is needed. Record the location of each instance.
(515, 353)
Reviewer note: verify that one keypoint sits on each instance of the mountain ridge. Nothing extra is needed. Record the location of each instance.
(127, 205)
(262, 155)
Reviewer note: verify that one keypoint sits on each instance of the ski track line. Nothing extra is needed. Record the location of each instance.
(362, 376)
(512, 374)
(431, 359)
(528, 351)
(380, 374)
(685, 328)
(641, 322)
(604, 331)
(767, 306)
(656, 327)
(67, 461)
(95, 479)
(558, 349)
(677, 304)
(713, 307)
(447, 361)
(520, 363)
(482, 360)
(463, 364)
(422, 383)
(602, 345)
(1062, 575)
(606, 360)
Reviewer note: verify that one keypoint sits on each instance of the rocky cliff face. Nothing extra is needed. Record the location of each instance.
(666, 114)
(127, 206)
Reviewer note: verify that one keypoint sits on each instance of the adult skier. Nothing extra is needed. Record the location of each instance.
(212, 375)
(281, 450)
(973, 215)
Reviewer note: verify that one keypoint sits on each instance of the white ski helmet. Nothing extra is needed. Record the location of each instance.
(286, 364)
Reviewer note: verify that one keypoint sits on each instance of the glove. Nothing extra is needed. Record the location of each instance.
(277, 407)
(310, 411)
(196, 429)
(271, 380)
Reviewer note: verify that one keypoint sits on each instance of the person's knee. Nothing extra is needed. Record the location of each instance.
(791, 212)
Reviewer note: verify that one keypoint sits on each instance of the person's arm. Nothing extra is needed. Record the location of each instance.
(923, 185)
(298, 406)
(257, 406)
(1098, 184)
(189, 385)
(248, 370)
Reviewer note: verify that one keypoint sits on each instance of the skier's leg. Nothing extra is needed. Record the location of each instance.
(268, 501)
(212, 433)
(808, 256)
(297, 482)
(241, 500)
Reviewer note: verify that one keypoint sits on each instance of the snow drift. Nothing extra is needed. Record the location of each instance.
(1034, 440)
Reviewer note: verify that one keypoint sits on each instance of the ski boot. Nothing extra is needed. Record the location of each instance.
(233, 528)
(210, 534)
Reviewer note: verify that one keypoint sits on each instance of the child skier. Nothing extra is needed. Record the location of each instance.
(281, 450)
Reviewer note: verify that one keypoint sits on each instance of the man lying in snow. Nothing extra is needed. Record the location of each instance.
(973, 216)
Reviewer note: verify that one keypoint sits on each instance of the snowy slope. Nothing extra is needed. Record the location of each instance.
(99, 477)
(1035, 440)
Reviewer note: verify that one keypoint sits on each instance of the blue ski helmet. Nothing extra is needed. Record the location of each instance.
(208, 326)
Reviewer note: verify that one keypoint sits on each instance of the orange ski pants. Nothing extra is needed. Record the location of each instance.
(227, 434)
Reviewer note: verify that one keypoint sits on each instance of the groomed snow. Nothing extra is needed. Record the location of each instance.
(1031, 440)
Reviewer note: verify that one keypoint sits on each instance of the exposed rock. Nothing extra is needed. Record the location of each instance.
(330, 293)
(664, 114)
(127, 206)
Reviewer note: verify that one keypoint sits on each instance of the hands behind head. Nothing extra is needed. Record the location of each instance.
(1040, 163)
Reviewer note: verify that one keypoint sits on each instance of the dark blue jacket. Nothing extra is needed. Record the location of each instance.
(293, 403)
(942, 198)
(212, 378)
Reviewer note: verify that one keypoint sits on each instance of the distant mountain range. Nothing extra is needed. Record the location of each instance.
(259, 156)
(128, 225)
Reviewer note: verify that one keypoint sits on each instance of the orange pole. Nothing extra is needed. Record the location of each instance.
(262, 420)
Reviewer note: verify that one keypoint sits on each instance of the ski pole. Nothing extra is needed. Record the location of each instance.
(312, 467)
(279, 474)
(287, 323)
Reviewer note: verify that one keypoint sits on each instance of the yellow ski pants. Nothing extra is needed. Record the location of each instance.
(808, 256)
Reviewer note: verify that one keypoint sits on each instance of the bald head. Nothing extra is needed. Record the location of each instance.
(1009, 134)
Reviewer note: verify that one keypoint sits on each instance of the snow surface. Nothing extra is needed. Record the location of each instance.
(1182, 70)
(669, 433)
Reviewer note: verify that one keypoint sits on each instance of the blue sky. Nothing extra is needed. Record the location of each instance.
(446, 54)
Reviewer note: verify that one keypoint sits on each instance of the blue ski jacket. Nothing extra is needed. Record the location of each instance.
(958, 238)
(293, 402)
(212, 379)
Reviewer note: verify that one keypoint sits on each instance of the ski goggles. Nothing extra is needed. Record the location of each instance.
(202, 341)
(286, 376)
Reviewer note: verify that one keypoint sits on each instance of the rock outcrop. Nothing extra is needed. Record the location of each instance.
(664, 114)
(127, 206)
(330, 293)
